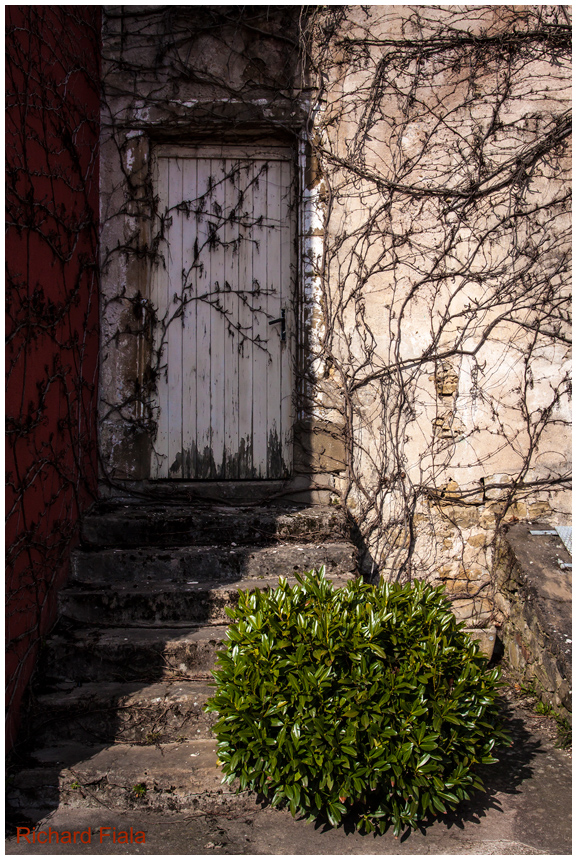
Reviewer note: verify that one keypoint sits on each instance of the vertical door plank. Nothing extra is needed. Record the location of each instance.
(260, 327)
(286, 276)
(159, 294)
(190, 266)
(204, 279)
(235, 205)
(222, 196)
(274, 281)
(174, 332)
(246, 305)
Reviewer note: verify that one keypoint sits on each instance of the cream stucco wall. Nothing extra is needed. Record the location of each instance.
(446, 234)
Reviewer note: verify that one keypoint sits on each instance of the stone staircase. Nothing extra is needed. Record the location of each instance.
(117, 720)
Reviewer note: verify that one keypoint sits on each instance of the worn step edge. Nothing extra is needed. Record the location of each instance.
(126, 694)
(125, 713)
(162, 603)
(217, 587)
(132, 654)
(164, 526)
(210, 562)
(177, 777)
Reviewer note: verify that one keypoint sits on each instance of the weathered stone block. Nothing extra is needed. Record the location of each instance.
(319, 447)
(486, 639)
(479, 539)
(477, 609)
(446, 380)
(126, 449)
(463, 587)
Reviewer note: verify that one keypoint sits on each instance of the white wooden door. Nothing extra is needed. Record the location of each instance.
(224, 386)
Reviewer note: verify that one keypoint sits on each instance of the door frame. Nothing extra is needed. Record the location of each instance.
(125, 423)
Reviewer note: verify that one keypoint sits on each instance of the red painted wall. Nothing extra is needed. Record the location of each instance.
(52, 124)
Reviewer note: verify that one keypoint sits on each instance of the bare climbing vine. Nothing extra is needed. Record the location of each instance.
(442, 137)
(433, 301)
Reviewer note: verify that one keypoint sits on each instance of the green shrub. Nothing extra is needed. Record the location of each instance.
(366, 699)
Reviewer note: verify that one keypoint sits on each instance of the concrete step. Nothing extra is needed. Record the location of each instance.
(130, 525)
(170, 778)
(159, 603)
(138, 654)
(148, 654)
(181, 564)
(124, 713)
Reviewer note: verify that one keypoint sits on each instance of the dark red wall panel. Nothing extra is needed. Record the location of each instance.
(52, 125)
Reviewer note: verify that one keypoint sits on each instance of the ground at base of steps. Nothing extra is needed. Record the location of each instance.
(526, 810)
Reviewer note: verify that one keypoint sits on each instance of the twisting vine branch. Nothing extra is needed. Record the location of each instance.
(445, 273)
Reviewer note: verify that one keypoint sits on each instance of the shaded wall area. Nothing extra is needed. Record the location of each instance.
(52, 126)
